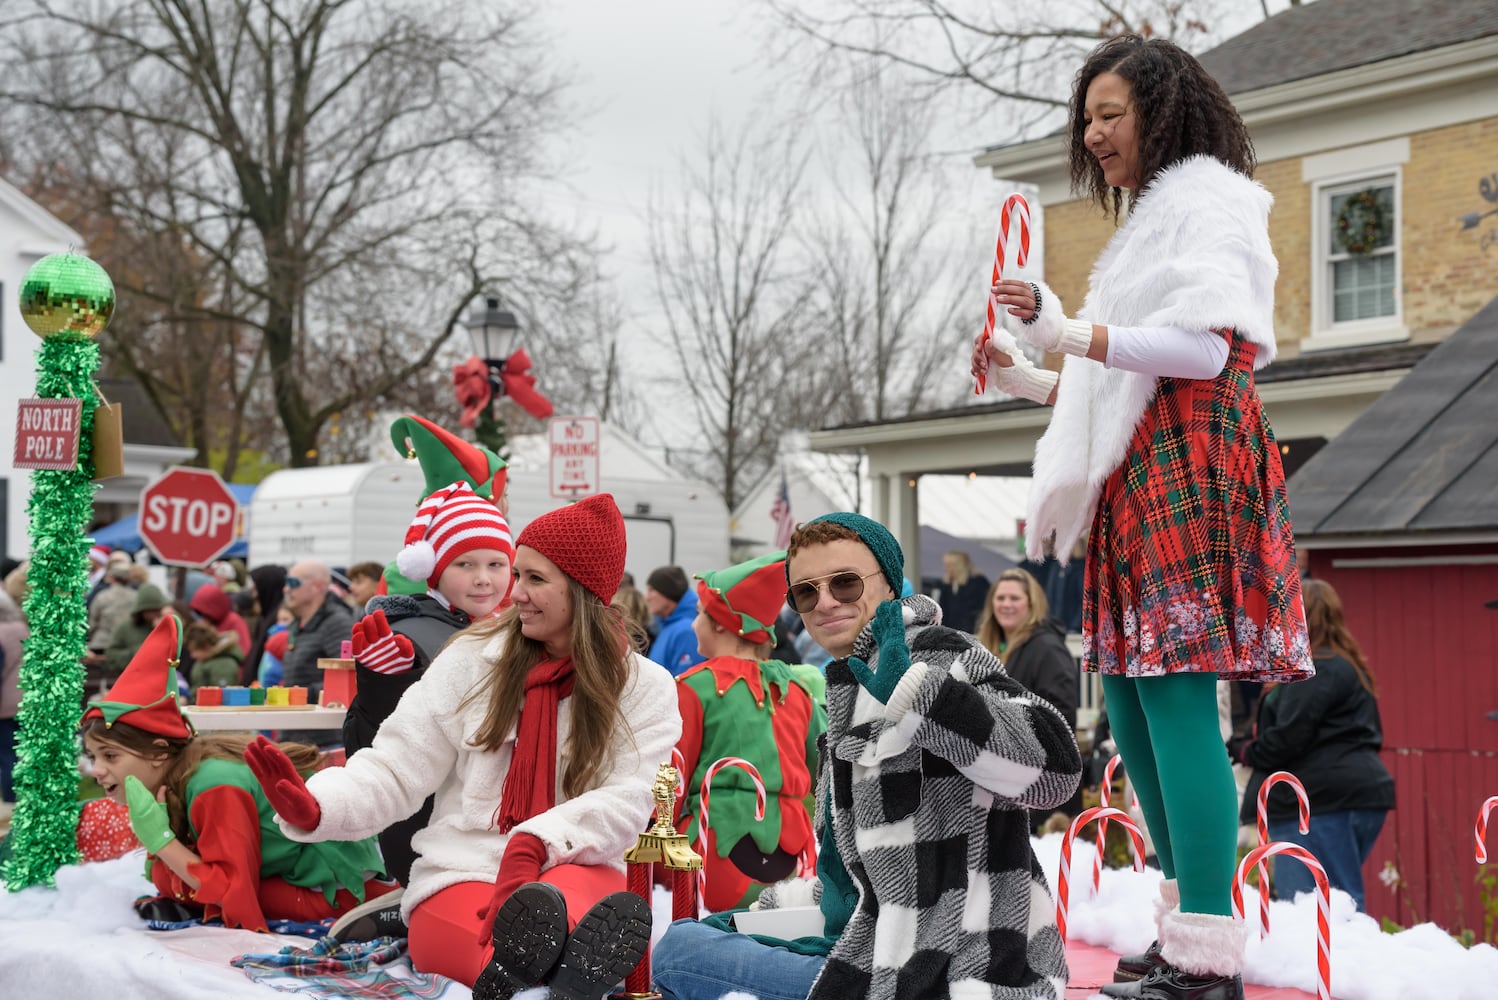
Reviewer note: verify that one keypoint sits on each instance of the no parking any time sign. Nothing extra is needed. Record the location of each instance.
(574, 456)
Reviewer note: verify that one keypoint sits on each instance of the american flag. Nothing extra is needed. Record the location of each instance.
(780, 513)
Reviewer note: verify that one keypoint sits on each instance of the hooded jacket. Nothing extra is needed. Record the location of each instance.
(213, 605)
(131, 633)
(675, 646)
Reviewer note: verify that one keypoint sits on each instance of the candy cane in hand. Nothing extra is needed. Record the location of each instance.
(1278, 777)
(1105, 793)
(1323, 903)
(1015, 205)
(1482, 829)
(707, 780)
(1063, 884)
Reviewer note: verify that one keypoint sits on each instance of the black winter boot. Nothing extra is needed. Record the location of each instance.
(1202, 959)
(530, 931)
(1132, 968)
(1169, 983)
(606, 944)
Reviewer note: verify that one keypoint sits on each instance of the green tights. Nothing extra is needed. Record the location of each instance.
(1166, 729)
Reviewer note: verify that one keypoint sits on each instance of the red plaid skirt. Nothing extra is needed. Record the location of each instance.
(1191, 562)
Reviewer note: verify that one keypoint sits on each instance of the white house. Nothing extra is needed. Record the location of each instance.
(28, 233)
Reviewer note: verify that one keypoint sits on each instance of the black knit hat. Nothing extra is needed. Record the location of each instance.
(668, 581)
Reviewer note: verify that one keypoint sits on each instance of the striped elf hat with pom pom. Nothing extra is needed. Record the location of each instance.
(448, 523)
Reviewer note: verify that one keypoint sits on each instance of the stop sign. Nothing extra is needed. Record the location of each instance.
(188, 516)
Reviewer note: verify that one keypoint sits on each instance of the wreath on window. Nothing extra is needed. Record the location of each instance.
(1362, 224)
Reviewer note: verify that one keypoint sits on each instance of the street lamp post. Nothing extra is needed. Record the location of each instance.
(494, 332)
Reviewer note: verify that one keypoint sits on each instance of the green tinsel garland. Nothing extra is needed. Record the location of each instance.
(44, 826)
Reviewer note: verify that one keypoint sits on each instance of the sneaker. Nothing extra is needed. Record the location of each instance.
(606, 944)
(374, 918)
(530, 931)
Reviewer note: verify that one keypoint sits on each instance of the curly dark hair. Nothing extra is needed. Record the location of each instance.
(1179, 111)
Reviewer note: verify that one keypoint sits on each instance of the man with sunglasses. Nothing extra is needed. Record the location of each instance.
(323, 622)
(926, 880)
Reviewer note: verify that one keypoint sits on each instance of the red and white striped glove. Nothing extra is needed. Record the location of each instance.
(377, 648)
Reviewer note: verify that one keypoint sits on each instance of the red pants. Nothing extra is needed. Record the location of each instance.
(279, 899)
(444, 929)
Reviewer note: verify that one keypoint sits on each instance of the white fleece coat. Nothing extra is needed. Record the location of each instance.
(424, 748)
(1194, 253)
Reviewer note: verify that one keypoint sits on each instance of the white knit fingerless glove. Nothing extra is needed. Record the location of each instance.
(1021, 379)
(1049, 329)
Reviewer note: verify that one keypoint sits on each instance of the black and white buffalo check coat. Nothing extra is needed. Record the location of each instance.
(929, 796)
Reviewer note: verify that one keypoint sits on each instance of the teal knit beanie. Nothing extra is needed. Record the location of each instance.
(880, 542)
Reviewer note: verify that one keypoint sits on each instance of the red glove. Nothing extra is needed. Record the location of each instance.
(283, 786)
(524, 856)
(379, 649)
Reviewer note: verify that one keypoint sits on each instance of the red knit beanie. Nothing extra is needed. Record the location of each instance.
(585, 540)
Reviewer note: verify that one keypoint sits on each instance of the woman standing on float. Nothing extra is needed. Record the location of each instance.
(1159, 446)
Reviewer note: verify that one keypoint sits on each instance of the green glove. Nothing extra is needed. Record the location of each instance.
(148, 818)
(894, 654)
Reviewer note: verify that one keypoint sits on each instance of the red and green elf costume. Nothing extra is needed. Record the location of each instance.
(248, 870)
(766, 712)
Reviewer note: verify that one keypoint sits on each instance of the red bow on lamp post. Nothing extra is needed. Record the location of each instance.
(474, 386)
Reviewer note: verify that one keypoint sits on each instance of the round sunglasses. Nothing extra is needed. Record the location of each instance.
(845, 588)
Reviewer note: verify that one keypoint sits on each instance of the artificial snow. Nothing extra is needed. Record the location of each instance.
(84, 939)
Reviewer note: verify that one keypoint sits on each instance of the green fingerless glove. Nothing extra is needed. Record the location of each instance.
(148, 818)
(894, 654)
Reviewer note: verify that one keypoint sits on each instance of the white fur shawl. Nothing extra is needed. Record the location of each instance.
(1193, 253)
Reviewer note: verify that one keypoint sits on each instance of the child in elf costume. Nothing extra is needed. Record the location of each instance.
(740, 703)
(205, 823)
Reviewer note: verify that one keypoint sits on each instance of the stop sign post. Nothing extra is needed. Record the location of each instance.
(188, 516)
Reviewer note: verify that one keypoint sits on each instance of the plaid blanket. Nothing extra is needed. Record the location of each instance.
(351, 969)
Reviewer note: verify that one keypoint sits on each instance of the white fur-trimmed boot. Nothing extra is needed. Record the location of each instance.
(1132, 968)
(1203, 955)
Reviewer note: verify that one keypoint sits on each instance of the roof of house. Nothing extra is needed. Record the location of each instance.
(1329, 35)
(1423, 457)
(1318, 364)
(140, 421)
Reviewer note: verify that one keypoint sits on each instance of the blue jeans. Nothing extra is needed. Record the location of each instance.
(1340, 840)
(8, 734)
(697, 962)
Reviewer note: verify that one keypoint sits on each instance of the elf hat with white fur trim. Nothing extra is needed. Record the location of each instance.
(448, 523)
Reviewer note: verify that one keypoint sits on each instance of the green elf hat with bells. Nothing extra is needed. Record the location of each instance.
(445, 459)
(145, 695)
(745, 598)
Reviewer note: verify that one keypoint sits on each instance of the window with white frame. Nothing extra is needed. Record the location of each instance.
(1357, 297)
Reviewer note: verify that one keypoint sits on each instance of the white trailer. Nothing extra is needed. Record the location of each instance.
(343, 514)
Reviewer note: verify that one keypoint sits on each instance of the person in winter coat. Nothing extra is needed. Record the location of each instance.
(740, 703)
(926, 879)
(319, 628)
(460, 545)
(112, 606)
(1017, 628)
(1158, 443)
(547, 713)
(13, 632)
(269, 584)
(962, 591)
(212, 605)
(674, 606)
(212, 843)
(1327, 732)
(215, 656)
(130, 633)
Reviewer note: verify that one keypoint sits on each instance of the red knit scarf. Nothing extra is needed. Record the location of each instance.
(530, 787)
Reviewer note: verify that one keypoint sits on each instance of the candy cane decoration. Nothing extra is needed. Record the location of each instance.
(702, 821)
(1063, 889)
(1105, 793)
(1482, 829)
(1278, 777)
(1017, 206)
(1323, 903)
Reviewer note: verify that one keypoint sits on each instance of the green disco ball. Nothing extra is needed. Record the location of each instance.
(67, 295)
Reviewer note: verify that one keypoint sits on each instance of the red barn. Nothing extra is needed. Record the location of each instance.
(1400, 513)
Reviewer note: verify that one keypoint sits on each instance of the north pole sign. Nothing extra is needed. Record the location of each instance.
(188, 516)
(574, 456)
(47, 434)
